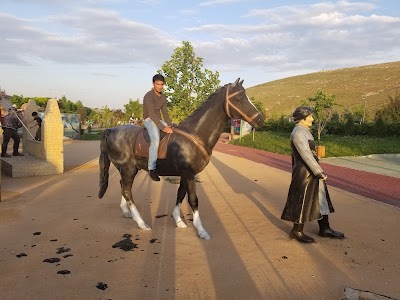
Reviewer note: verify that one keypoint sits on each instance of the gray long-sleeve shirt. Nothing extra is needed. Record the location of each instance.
(153, 106)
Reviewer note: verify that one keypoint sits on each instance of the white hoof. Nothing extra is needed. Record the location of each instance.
(181, 224)
(127, 214)
(204, 235)
(144, 227)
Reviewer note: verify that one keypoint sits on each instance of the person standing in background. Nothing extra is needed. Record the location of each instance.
(38, 135)
(10, 124)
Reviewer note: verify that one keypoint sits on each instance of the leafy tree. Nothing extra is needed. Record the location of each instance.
(391, 111)
(335, 117)
(107, 119)
(187, 84)
(379, 126)
(94, 117)
(322, 105)
(118, 115)
(88, 111)
(349, 125)
(259, 106)
(80, 110)
(134, 108)
(17, 100)
(67, 106)
(40, 101)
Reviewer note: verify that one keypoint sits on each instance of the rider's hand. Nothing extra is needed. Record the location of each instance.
(168, 129)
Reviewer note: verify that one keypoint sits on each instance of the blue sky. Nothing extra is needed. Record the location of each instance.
(104, 52)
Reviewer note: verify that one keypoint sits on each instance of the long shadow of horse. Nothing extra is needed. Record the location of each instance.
(237, 181)
(276, 197)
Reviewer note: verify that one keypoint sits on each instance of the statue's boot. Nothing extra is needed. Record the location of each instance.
(326, 231)
(298, 234)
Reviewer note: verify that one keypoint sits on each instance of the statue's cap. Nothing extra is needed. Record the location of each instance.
(301, 112)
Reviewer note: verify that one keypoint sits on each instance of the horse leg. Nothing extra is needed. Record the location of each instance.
(176, 213)
(127, 205)
(125, 208)
(194, 204)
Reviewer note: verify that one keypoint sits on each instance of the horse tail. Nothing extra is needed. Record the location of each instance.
(104, 164)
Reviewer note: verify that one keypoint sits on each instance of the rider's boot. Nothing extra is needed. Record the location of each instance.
(154, 175)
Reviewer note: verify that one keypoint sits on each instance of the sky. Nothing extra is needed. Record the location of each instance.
(105, 52)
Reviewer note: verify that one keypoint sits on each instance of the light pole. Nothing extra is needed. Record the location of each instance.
(365, 106)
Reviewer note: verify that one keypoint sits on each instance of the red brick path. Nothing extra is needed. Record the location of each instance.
(375, 186)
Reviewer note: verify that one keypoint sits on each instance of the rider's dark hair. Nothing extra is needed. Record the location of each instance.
(158, 77)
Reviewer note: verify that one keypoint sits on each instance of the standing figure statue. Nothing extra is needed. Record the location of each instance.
(308, 197)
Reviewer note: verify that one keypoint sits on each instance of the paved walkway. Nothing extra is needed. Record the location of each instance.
(59, 241)
(357, 175)
(374, 176)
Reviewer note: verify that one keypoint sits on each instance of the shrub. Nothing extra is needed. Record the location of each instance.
(335, 128)
(349, 126)
(364, 129)
(393, 129)
(380, 127)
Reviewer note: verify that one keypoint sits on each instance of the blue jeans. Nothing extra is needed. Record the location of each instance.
(154, 133)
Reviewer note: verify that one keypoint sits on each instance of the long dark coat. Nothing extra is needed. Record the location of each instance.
(303, 203)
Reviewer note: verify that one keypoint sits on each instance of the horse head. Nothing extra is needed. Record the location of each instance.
(239, 106)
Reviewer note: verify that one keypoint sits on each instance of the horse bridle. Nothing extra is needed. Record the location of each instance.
(230, 104)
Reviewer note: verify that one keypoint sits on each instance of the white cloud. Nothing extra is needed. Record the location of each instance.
(282, 40)
(218, 2)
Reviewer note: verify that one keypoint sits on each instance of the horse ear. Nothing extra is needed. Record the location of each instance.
(236, 82)
(241, 82)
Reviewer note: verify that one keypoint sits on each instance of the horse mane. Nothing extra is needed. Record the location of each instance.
(204, 106)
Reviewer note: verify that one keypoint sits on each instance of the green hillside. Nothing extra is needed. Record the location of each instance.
(350, 85)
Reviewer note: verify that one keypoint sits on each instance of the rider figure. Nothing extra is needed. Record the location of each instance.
(155, 103)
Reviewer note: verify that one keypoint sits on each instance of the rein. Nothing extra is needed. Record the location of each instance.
(196, 141)
(229, 103)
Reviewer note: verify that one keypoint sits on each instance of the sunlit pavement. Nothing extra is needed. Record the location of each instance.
(57, 239)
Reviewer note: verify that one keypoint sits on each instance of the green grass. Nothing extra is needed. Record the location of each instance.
(94, 135)
(279, 142)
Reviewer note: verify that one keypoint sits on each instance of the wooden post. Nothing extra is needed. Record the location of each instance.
(320, 151)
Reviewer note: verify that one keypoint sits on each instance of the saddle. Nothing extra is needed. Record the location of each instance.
(142, 144)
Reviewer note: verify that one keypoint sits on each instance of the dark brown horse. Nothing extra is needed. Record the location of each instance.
(188, 152)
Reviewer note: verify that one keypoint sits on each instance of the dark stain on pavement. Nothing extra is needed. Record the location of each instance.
(64, 272)
(126, 244)
(63, 250)
(52, 260)
(102, 286)
(160, 216)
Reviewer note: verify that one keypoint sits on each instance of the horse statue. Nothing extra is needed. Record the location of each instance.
(189, 149)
